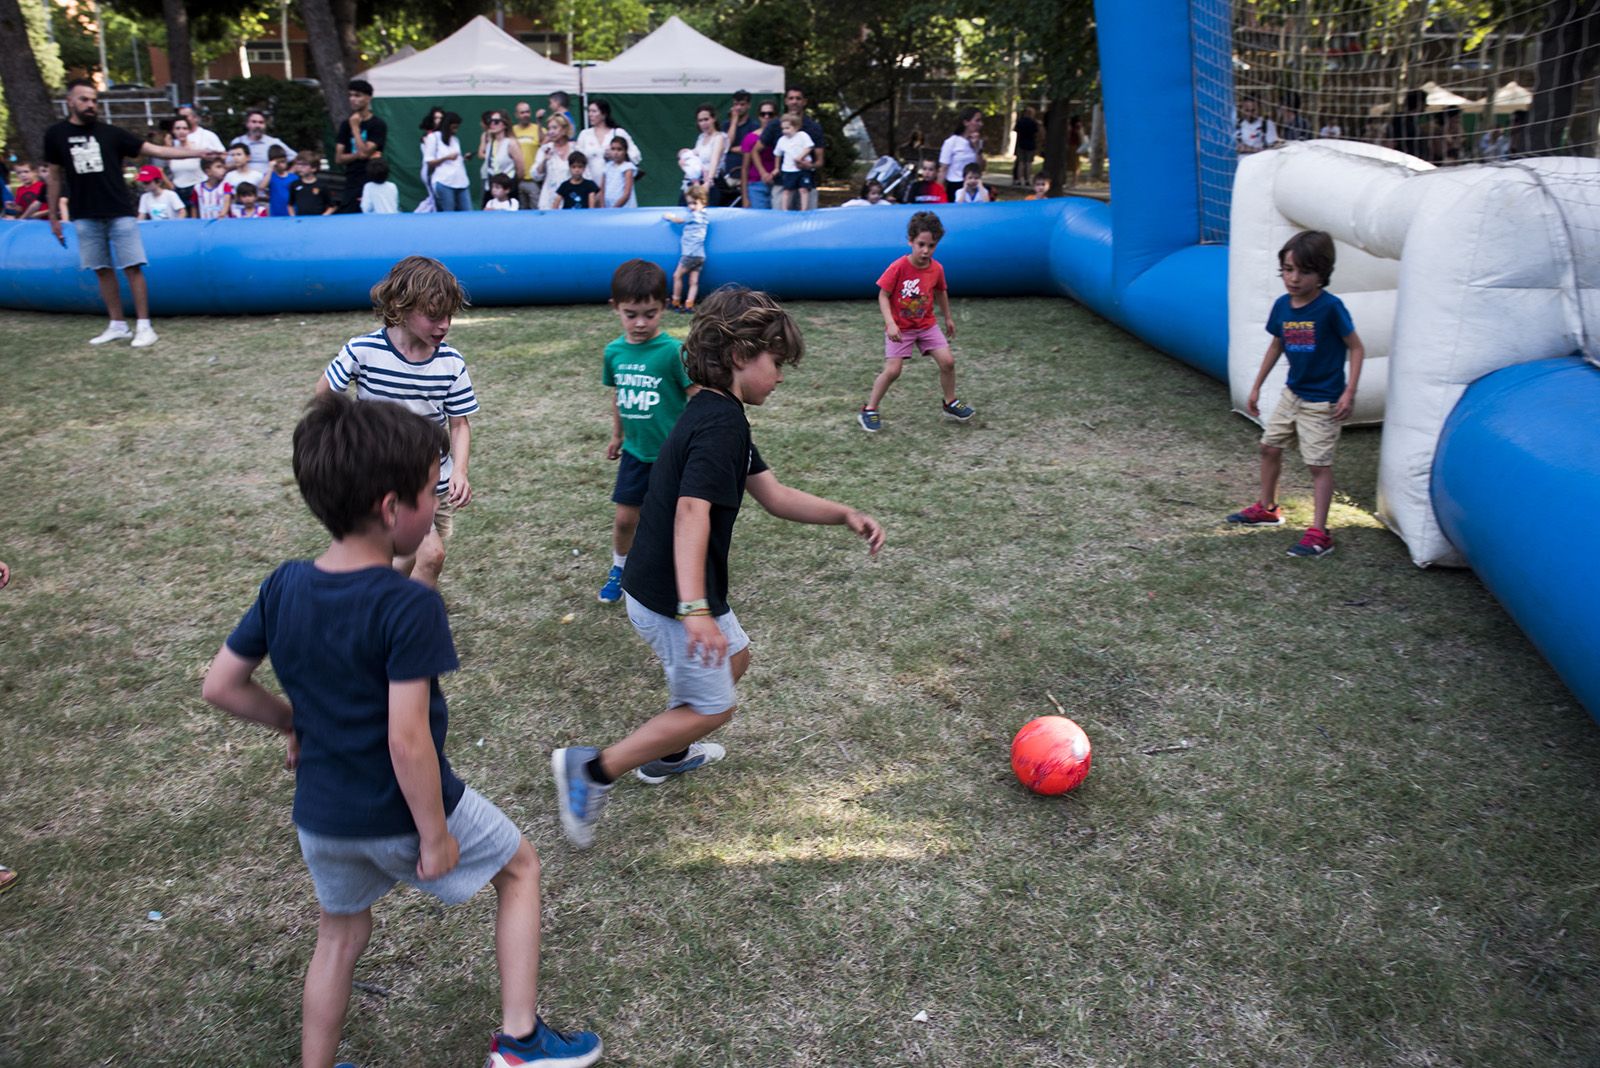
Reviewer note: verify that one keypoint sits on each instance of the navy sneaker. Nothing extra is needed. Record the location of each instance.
(611, 592)
(580, 798)
(958, 411)
(700, 754)
(546, 1047)
(868, 418)
(1315, 543)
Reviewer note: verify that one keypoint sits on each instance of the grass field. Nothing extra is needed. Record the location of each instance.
(1341, 813)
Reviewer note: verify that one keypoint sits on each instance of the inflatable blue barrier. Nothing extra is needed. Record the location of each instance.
(1516, 487)
(228, 266)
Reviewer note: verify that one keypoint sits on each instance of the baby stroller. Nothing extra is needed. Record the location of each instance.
(889, 173)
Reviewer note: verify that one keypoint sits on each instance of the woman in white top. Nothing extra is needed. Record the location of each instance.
(596, 139)
(500, 151)
(447, 174)
(710, 146)
(427, 126)
(961, 148)
(186, 173)
(550, 165)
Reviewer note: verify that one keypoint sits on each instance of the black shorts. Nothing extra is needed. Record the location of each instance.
(799, 179)
(633, 478)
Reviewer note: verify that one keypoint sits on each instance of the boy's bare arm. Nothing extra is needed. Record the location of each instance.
(460, 491)
(1252, 404)
(943, 297)
(229, 685)
(691, 534)
(614, 446)
(887, 308)
(416, 767)
(786, 502)
(1357, 354)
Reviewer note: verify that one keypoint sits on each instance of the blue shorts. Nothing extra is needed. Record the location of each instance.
(107, 243)
(633, 478)
(351, 874)
(798, 179)
(707, 690)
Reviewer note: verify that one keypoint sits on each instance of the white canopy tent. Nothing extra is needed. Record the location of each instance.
(477, 68)
(677, 58)
(479, 59)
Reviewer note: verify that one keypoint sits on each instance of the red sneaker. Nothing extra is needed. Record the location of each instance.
(1258, 515)
(1315, 543)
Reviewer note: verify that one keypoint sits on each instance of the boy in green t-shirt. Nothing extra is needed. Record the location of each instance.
(645, 368)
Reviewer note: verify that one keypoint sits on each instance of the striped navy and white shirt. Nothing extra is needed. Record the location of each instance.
(437, 388)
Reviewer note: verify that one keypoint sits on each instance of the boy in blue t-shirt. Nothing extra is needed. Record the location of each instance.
(358, 649)
(645, 368)
(1313, 327)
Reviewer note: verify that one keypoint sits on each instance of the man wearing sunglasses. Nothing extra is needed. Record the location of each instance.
(357, 140)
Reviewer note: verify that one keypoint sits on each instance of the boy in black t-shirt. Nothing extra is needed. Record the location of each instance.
(358, 649)
(306, 197)
(578, 191)
(678, 603)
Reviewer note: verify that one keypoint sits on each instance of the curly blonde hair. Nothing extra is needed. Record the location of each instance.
(732, 327)
(417, 283)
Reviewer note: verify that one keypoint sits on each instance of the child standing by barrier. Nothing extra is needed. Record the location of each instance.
(794, 151)
(379, 196)
(972, 189)
(691, 248)
(617, 176)
(156, 198)
(502, 194)
(279, 181)
(644, 368)
(211, 194)
(306, 195)
(247, 204)
(578, 191)
(1314, 328)
(406, 362)
(358, 651)
(678, 601)
(907, 293)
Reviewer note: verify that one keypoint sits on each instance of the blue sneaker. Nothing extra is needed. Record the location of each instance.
(546, 1047)
(869, 420)
(611, 592)
(580, 798)
(958, 411)
(700, 754)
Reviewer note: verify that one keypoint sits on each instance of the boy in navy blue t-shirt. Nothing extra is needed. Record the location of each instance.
(358, 649)
(1313, 327)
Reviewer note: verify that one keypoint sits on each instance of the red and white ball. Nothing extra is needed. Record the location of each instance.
(1050, 755)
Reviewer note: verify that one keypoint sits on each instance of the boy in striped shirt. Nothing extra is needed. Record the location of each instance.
(406, 362)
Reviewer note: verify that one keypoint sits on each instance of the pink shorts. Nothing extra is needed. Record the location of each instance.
(914, 342)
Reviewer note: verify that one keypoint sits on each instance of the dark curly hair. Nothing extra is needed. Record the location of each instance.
(732, 327)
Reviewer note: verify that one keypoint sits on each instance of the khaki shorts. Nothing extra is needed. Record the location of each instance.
(1309, 422)
(444, 518)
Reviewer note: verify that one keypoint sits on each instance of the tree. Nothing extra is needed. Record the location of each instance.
(323, 37)
(23, 77)
(180, 51)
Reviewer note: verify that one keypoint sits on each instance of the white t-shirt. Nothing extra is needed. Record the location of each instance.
(980, 197)
(380, 198)
(234, 179)
(708, 145)
(1259, 132)
(452, 172)
(191, 172)
(588, 143)
(954, 155)
(508, 204)
(614, 175)
(790, 148)
(162, 204)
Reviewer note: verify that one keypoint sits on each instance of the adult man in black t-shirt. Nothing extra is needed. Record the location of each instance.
(740, 125)
(794, 101)
(1027, 131)
(89, 155)
(360, 138)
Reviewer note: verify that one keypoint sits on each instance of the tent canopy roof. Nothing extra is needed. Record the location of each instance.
(479, 59)
(677, 58)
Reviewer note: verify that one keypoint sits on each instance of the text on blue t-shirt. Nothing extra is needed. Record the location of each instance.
(1313, 339)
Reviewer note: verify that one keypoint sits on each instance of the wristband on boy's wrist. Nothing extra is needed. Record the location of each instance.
(701, 607)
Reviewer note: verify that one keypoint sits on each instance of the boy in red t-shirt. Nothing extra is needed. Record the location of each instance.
(906, 295)
(29, 202)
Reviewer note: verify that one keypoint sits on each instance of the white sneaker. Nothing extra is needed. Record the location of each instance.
(144, 337)
(112, 333)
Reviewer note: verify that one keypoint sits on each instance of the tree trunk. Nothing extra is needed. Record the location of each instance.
(26, 94)
(1097, 145)
(180, 52)
(1056, 150)
(344, 16)
(323, 37)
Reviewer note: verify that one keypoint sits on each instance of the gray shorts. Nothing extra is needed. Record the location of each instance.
(707, 690)
(351, 874)
(106, 243)
(691, 263)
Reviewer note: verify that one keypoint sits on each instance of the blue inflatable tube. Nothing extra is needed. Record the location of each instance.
(228, 267)
(1528, 434)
